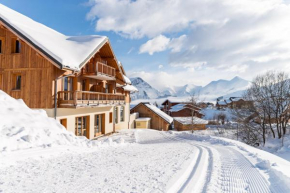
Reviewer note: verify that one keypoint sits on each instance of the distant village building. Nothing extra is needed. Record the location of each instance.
(176, 108)
(159, 120)
(233, 102)
(189, 123)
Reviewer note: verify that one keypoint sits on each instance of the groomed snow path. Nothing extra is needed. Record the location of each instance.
(148, 161)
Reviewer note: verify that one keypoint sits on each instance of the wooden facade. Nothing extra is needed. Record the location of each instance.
(187, 127)
(157, 122)
(86, 97)
(38, 74)
(186, 112)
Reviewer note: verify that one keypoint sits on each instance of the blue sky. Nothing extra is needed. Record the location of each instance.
(177, 42)
(69, 17)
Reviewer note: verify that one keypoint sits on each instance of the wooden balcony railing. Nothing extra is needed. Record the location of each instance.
(87, 98)
(99, 68)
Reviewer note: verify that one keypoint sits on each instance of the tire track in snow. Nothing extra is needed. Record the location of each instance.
(237, 173)
(196, 176)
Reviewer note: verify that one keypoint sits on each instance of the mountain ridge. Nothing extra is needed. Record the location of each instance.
(216, 88)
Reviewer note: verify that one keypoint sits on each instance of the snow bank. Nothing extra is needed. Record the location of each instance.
(22, 128)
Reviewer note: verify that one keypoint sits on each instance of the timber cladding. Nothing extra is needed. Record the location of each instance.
(35, 71)
(187, 127)
(157, 122)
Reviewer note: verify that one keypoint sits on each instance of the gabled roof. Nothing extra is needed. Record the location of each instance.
(189, 120)
(172, 100)
(70, 52)
(177, 108)
(157, 111)
(221, 103)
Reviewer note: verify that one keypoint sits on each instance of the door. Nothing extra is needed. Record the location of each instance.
(82, 127)
(99, 124)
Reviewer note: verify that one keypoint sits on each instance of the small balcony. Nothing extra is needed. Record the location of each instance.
(79, 99)
(100, 70)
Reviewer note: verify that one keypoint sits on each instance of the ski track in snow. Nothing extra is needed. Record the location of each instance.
(152, 162)
(236, 175)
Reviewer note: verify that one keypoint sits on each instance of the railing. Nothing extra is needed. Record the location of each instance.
(87, 98)
(100, 67)
(105, 69)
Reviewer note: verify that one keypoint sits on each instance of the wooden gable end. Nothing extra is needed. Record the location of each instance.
(35, 70)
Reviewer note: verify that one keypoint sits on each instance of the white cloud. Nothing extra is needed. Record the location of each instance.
(160, 66)
(158, 44)
(223, 37)
(162, 43)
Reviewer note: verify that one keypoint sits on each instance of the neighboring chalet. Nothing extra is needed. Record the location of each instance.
(233, 102)
(180, 109)
(189, 123)
(76, 79)
(159, 120)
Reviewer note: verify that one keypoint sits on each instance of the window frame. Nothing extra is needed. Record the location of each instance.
(111, 117)
(15, 82)
(15, 45)
(122, 114)
(116, 118)
(84, 126)
(2, 40)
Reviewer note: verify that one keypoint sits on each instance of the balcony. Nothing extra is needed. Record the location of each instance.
(78, 99)
(100, 70)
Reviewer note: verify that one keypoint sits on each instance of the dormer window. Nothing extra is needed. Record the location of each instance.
(16, 46)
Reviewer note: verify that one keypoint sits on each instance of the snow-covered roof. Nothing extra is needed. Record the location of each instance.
(176, 100)
(221, 103)
(188, 120)
(235, 99)
(228, 101)
(143, 119)
(130, 88)
(159, 112)
(177, 108)
(127, 80)
(66, 51)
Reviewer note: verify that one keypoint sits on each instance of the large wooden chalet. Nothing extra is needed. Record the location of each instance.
(77, 80)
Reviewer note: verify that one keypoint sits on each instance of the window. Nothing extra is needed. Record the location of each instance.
(64, 122)
(16, 46)
(111, 117)
(82, 127)
(67, 86)
(106, 87)
(122, 114)
(98, 124)
(17, 82)
(1, 44)
(116, 114)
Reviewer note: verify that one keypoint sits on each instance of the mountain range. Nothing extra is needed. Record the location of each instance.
(234, 87)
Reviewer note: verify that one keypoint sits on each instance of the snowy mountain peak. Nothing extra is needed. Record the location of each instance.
(234, 87)
(146, 91)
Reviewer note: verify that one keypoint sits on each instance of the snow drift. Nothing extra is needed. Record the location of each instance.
(22, 128)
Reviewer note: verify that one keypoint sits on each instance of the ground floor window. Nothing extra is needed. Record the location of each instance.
(116, 114)
(99, 124)
(122, 114)
(111, 117)
(64, 122)
(82, 126)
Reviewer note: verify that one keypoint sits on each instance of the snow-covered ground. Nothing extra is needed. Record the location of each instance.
(38, 155)
(146, 161)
